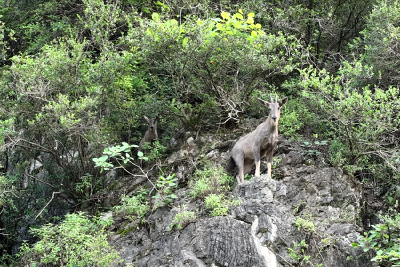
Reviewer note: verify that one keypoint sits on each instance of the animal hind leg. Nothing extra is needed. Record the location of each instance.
(239, 160)
(248, 164)
(240, 175)
(269, 164)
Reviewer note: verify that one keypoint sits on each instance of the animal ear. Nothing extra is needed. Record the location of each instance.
(283, 101)
(263, 101)
(147, 119)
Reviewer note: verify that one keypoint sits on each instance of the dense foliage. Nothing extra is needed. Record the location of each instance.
(383, 240)
(77, 241)
(78, 76)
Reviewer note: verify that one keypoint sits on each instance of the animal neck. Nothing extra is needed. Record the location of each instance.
(273, 127)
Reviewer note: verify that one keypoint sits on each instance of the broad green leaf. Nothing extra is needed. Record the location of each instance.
(238, 16)
(225, 15)
(155, 16)
(103, 158)
(237, 24)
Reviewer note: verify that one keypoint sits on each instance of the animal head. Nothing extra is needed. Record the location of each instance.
(152, 123)
(274, 108)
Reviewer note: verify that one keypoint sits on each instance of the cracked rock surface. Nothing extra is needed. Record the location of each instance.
(259, 231)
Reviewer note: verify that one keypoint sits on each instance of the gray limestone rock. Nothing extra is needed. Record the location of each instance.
(259, 231)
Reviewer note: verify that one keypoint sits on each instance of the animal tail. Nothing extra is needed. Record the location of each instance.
(231, 165)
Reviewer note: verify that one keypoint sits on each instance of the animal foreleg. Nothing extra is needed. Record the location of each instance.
(258, 164)
(257, 157)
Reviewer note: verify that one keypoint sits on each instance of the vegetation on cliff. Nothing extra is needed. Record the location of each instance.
(78, 77)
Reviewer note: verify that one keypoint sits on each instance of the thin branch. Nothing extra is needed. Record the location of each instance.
(33, 177)
(145, 174)
(4, 192)
(47, 203)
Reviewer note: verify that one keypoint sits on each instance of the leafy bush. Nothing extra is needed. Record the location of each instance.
(135, 207)
(363, 121)
(208, 62)
(379, 45)
(77, 241)
(219, 205)
(290, 123)
(182, 218)
(303, 224)
(120, 154)
(6, 190)
(299, 253)
(165, 190)
(383, 240)
(297, 119)
(156, 150)
(210, 179)
(216, 204)
(338, 153)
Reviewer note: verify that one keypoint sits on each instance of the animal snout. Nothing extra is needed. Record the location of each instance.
(274, 118)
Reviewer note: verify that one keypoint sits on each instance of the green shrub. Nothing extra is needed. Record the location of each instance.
(338, 153)
(77, 241)
(306, 225)
(211, 179)
(384, 240)
(135, 207)
(294, 117)
(165, 190)
(298, 253)
(219, 205)
(156, 150)
(204, 53)
(182, 218)
(362, 120)
(216, 204)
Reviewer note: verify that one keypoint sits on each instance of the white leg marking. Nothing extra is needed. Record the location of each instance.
(269, 169)
(257, 174)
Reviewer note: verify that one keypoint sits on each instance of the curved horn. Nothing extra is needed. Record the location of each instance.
(272, 100)
(276, 98)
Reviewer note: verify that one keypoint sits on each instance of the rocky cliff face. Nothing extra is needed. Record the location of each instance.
(306, 203)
